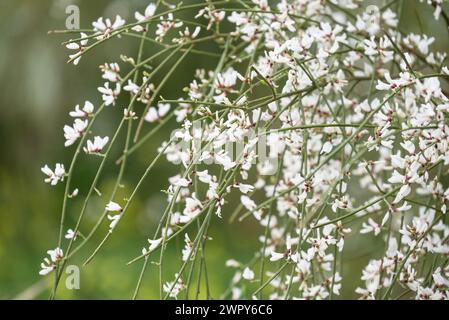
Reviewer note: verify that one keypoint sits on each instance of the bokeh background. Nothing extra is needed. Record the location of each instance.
(37, 90)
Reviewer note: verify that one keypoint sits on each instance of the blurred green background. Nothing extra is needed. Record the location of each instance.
(38, 89)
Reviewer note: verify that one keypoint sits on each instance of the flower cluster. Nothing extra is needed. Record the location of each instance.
(327, 123)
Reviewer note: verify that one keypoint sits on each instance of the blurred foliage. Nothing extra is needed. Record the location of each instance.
(38, 89)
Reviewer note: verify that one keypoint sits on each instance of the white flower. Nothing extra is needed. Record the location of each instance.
(55, 254)
(106, 27)
(149, 12)
(186, 35)
(97, 145)
(407, 179)
(248, 274)
(342, 203)
(50, 264)
(192, 209)
(131, 87)
(232, 263)
(186, 251)
(391, 84)
(224, 160)
(244, 188)
(71, 134)
(114, 221)
(109, 95)
(74, 193)
(178, 181)
(113, 207)
(327, 147)
(248, 203)
(87, 110)
(445, 70)
(174, 288)
(70, 234)
(153, 245)
(111, 71)
(46, 267)
(371, 226)
(204, 176)
(275, 256)
(53, 177)
(80, 47)
(165, 25)
(213, 15)
(154, 114)
(439, 279)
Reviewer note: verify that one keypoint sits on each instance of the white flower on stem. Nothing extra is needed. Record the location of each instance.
(106, 27)
(372, 49)
(80, 47)
(393, 84)
(439, 279)
(96, 146)
(402, 193)
(390, 18)
(114, 221)
(70, 234)
(71, 134)
(56, 254)
(186, 35)
(192, 209)
(445, 70)
(186, 251)
(371, 226)
(87, 110)
(153, 245)
(149, 12)
(430, 88)
(275, 256)
(248, 274)
(53, 177)
(249, 204)
(174, 288)
(179, 181)
(406, 179)
(111, 71)
(204, 176)
(113, 207)
(408, 146)
(342, 203)
(213, 15)
(223, 159)
(155, 115)
(46, 267)
(244, 188)
(50, 264)
(419, 42)
(227, 80)
(131, 87)
(165, 25)
(129, 114)
(232, 263)
(327, 147)
(405, 207)
(109, 95)
(74, 193)
(412, 233)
